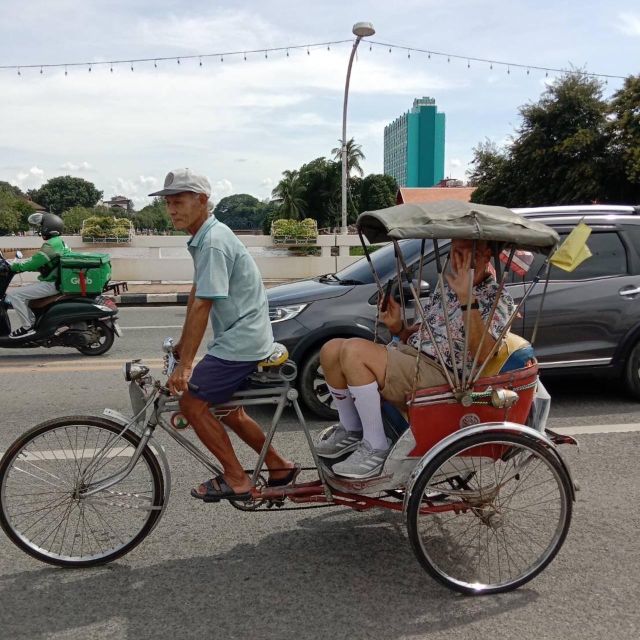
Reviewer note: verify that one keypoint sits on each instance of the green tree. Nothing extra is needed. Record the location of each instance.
(14, 209)
(624, 125)
(354, 156)
(9, 218)
(241, 211)
(16, 191)
(489, 174)
(289, 196)
(153, 217)
(64, 192)
(74, 217)
(560, 155)
(377, 191)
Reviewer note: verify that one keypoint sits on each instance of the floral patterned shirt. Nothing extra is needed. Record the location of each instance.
(485, 294)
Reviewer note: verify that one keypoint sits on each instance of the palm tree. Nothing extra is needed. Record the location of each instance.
(354, 155)
(289, 196)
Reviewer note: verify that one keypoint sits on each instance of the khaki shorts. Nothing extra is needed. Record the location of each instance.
(401, 370)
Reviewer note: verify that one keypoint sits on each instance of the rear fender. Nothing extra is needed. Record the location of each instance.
(488, 427)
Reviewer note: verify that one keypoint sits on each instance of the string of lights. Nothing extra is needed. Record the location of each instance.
(491, 63)
(427, 54)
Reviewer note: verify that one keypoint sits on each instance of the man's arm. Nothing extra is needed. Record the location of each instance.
(194, 327)
(43, 257)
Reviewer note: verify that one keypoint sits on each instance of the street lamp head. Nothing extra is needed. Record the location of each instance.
(363, 29)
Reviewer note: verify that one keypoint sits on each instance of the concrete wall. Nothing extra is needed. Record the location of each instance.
(165, 258)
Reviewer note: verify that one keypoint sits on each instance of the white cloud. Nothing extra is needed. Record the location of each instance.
(221, 189)
(73, 167)
(455, 162)
(629, 24)
(30, 178)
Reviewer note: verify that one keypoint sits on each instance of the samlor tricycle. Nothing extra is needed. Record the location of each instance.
(486, 496)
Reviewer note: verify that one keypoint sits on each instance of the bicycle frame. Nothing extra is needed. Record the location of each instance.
(162, 404)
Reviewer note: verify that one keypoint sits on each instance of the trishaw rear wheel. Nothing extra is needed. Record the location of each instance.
(499, 527)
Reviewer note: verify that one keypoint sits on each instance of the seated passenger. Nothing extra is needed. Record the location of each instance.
(359, 371)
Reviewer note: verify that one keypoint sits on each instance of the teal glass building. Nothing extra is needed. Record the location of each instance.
(414, 146)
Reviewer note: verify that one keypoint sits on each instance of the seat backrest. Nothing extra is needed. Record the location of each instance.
(505, 357)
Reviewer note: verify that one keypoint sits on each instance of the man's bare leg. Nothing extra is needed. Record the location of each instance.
(248, 430)
(214, 436)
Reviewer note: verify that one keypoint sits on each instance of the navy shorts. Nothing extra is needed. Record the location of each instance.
(217, 379)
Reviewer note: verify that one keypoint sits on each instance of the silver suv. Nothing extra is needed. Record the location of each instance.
(590, 321)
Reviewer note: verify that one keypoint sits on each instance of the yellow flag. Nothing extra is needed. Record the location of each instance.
(574, 250)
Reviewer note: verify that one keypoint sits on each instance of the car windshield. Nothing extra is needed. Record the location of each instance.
(384, 261)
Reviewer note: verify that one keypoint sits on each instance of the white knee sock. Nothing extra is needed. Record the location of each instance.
(349, 417)
(367, 401)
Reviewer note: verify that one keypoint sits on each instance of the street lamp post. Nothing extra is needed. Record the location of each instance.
(360, 30)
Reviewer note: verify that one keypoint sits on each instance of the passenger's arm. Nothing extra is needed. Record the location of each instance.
(474, 325)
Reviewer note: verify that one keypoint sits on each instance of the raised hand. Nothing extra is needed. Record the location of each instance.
(458, 279)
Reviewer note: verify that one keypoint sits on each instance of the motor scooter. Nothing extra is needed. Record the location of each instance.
(87, 324)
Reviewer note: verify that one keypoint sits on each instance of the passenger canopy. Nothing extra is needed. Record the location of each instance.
(454, 219)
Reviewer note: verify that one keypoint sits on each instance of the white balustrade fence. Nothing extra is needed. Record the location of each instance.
(165, 258)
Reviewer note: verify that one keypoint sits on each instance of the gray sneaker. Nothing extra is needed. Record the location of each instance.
(336, 441)
(364, 462)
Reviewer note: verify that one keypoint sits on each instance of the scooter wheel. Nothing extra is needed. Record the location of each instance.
(102, 343)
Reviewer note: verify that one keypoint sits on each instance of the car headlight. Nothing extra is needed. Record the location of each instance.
(280, 314)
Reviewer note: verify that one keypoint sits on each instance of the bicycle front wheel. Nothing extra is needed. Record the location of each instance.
(489, 512)
(45, 474)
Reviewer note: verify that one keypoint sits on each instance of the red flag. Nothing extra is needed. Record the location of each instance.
(521, 261)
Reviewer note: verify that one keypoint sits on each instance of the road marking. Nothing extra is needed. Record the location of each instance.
(153, 326)
(598, 428)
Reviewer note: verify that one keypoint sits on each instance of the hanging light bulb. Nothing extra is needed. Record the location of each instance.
(111, 67)
(328, 48)
(221, 60)
(370, 48)
(40, 70)
(89, 68)
(132, 66)
(308, 52)
(448, 59)
(508, 70)
(245, 57)
(178, 60)
(65, 71)
(491, 65)
(408, 54)
(389, 49)
(287, 53)
(527, 71)
(546, 74)
(19, 71)
(468, 64)
(265, 54)
(429, 55)
(155, 64)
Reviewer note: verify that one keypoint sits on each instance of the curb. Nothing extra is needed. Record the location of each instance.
(142, 299)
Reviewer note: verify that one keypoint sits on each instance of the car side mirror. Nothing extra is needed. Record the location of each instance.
(424, 291)
(19, 254)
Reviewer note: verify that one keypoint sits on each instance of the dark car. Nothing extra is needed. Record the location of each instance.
(590, 320)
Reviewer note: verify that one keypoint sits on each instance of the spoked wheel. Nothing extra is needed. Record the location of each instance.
(44, 475)
(499, 527)
(103, 338)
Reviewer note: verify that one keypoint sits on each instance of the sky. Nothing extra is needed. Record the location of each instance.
(244, 122)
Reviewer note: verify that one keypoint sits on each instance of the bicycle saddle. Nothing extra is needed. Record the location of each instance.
(279, 355)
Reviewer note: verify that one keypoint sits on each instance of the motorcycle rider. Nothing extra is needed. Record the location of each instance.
(46, 262)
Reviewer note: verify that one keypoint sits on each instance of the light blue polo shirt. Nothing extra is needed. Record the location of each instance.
(228, 275)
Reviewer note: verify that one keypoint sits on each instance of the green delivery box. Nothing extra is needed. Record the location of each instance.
(84, 273)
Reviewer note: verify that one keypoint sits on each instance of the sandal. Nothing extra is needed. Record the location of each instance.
(222, 491)
(288, 479)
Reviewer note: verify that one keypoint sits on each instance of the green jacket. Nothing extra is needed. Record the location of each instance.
(45, 260)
